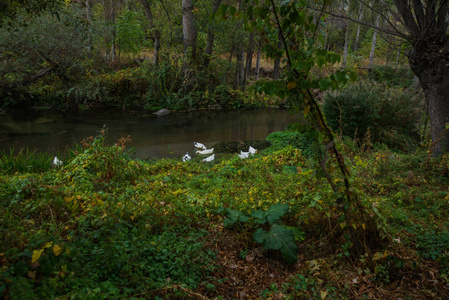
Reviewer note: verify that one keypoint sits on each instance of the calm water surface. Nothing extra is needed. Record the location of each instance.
(154, 137)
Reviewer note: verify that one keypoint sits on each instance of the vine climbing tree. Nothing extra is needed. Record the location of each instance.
(290, 23)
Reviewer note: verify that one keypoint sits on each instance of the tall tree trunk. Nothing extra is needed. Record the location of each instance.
(373, 43)
(90, 46)
(239, 67)
(188, 27)
(156, 33)
(249, 59)
(257, 71)
(398, 56)
(211, 34)
(277, 61)
(109, 12)
(427, 23)
(433, 74)
(357, 36)
(345, 49)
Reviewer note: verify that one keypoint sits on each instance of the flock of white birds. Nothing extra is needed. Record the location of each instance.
(203, 150)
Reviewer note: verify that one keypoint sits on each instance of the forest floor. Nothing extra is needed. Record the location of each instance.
(106, 226)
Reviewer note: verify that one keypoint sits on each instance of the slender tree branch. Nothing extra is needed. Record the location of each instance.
(395, 33)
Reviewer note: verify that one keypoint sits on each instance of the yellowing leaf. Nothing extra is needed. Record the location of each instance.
(36, 255)
(57, 250)
(343, 225)
(32, 274)
(323, 294)
(377, 255)
(306, 110)
(363, 226)
(291, 85)
(48, 245)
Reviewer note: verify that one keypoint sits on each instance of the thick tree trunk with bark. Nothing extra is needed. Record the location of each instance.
(427, 24)
(432, 68)
(188, 27)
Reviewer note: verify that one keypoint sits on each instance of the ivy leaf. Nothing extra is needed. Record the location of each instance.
(275, 212)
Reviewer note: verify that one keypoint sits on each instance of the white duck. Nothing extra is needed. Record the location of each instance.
(252, 150)
(207, 151)
(243, 155)
(57, 162)
(199, 146)
(210, 158)
(186, 157)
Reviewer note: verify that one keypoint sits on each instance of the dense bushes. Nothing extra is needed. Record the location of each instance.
(392, 77)
(368, 110)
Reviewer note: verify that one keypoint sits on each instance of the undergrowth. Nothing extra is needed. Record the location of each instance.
(104, 225)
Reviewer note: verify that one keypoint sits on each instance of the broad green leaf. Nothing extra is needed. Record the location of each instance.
(278, 238)
(324, 84)
(260, 236)
(259, 216)
(234, 216)
(299, 235)
(275, 212)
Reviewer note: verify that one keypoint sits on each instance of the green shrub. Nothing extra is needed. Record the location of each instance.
(281, 139)
(371, 111)
(390, 76)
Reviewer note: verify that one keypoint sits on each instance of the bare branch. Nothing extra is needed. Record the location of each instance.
(406, 12)
(395, 33)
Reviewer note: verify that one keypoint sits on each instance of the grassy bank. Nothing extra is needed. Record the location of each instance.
(106, 226)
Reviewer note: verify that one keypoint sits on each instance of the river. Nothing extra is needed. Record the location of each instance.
(152, 137)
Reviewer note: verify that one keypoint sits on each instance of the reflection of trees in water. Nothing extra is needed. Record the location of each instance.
(179, 130)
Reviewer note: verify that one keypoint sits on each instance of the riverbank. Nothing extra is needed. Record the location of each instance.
(107, 226)
(171, 135)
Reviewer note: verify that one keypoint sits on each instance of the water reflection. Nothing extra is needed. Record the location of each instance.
(168, 136)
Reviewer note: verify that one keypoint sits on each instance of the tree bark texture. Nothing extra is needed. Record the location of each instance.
(357, 36)
(373, 43)
(257, 70)
(427, 26)
(210, 31)
(346, 47)
(188, 27)
(110, 12)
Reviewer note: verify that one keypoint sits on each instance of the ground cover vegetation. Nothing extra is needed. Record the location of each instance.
(104, 225)
(298, 220)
